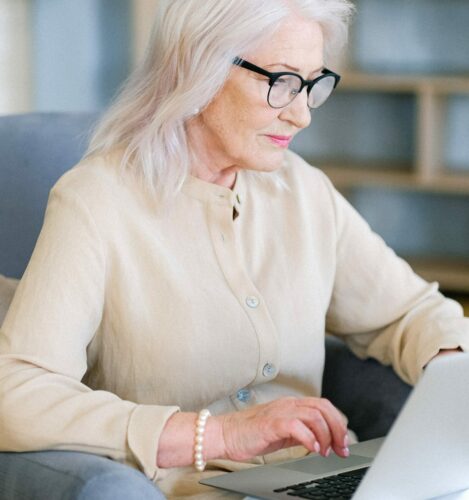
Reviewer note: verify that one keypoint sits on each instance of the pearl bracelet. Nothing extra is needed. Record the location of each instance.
(199, 462)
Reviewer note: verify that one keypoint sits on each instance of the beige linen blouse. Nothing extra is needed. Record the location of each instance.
(127, 312)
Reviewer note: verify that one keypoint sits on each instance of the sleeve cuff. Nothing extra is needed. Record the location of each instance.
(145, 427)
(452, 342)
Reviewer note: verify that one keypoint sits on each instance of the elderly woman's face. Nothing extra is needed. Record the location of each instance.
(239, 130)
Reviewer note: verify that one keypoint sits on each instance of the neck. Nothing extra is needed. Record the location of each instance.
(208, 161)
(225, 177)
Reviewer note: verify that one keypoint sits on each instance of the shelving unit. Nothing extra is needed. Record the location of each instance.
(386, 132)
(428, 171)
(349, 177)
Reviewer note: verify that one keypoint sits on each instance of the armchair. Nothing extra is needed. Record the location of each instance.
(36, 150)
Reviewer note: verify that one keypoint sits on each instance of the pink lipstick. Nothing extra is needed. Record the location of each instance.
(281, 140)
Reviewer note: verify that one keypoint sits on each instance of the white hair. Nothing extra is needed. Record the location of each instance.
(187, 62)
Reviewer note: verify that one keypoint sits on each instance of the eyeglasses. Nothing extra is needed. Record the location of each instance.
(285, 86)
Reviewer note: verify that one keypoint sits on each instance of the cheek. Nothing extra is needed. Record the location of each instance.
(238, 121)
(251, 125)
(247, 115)
(242, 133)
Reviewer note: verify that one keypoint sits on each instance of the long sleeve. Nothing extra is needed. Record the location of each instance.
(54, 316)
(381, 308)
(127, 312)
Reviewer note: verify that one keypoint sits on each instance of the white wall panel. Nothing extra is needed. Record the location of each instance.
(15, 64)
(143, 18)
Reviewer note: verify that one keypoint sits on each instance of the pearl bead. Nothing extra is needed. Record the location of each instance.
(199, 462)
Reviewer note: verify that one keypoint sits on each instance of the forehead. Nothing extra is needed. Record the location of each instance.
(297, 41)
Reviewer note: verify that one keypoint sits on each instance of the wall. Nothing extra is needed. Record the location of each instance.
(15, 64)
(68, 55)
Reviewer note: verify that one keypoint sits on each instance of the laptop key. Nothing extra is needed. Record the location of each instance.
(300, 486)
(338, 487)
(312, 496)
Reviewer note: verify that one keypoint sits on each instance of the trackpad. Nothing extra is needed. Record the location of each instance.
(323, 465)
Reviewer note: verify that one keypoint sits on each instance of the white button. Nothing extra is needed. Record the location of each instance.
(252, 301)
(268, 370)
(243, 395)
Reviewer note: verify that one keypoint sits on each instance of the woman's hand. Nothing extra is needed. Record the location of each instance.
(312, 422)
(443, 352)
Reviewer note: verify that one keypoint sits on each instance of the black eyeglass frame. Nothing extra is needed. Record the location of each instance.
(237, 61)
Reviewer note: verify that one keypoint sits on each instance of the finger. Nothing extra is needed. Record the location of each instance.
(315, 421)
(337, 428)
(296, 430)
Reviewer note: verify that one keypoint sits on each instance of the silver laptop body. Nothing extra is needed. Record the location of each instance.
(425, 455)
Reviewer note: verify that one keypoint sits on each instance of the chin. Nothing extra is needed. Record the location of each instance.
(261, 160)
(271, 162)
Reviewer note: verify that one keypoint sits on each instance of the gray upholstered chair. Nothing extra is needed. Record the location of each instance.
(35, 150)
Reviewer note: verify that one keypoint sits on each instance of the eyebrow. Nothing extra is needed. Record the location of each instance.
(292, 68)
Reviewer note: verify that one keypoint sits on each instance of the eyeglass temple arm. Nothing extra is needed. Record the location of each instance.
(245, 64)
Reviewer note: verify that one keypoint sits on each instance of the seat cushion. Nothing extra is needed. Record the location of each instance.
(7, 290)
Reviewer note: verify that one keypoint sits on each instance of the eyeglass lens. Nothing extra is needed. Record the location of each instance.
(286, 88)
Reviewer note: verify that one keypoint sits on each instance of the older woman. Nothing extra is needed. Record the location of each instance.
(191, 262)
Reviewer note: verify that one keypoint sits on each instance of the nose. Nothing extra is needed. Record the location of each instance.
(297, 112)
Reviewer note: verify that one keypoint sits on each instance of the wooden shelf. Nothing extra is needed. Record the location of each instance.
(395, 176)
(451, 274)
(426, 119)
(404, 83)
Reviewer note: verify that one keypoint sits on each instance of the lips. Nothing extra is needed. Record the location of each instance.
(280, 140)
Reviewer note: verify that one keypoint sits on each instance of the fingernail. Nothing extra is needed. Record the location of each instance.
(328, 451)
(346, 441)
(316, 447)
(346, 452)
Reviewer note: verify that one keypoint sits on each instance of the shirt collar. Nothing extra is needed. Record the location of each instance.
(209, 192)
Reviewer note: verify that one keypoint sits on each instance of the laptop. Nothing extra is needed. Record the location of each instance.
(425, 454)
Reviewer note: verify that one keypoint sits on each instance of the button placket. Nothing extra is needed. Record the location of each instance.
(230, 258)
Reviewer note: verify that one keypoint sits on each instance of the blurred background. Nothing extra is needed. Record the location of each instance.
(394, 138)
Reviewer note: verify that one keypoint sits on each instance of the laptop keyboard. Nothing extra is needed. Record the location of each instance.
(338, 487)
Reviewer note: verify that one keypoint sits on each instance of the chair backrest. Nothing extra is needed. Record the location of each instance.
(35, 150)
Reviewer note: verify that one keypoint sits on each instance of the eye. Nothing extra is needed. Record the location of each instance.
(280, 81)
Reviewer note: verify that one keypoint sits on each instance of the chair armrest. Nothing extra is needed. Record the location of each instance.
(370, 394)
